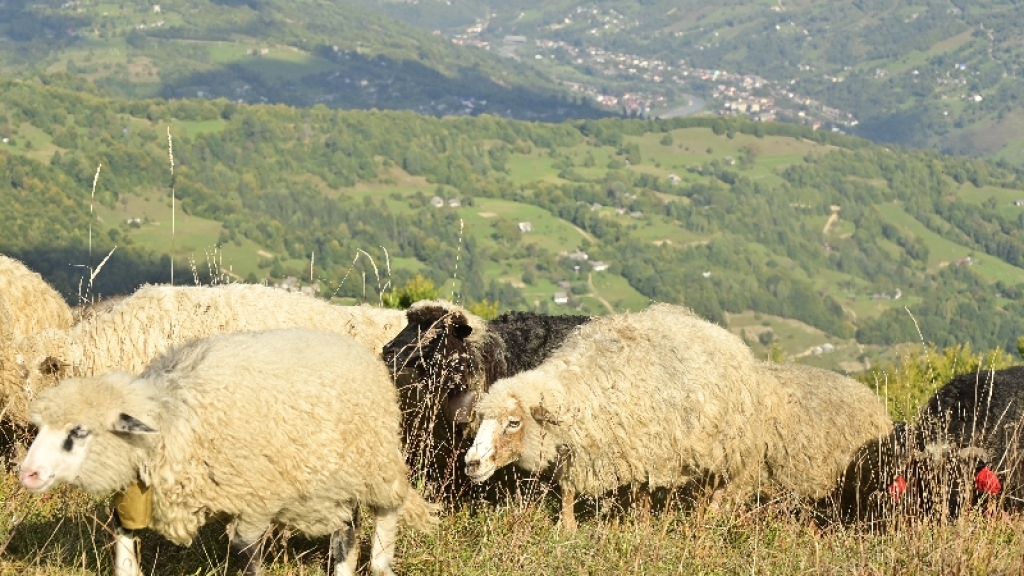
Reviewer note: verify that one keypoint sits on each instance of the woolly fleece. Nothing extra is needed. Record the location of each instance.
(658, 397)
(293, 427)
(978, 418)
(32, 304)
(443, 366)
(815, 434)
(154, 318)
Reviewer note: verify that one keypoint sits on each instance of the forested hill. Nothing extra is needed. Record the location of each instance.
(794, 238)
(298, 52)
(931, 73)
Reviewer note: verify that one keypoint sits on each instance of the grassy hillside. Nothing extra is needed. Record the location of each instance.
(795, 239)
(301, 53)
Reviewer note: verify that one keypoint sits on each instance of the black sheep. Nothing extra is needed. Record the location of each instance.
(971, 442)
(444, 358)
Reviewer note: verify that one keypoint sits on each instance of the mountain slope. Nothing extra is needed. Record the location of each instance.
(801, 238)
(933, 73)
(300, 53)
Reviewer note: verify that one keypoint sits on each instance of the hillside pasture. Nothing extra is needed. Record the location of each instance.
(193, 238)
(944, 252)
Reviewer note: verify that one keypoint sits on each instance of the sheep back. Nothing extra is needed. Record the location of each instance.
(127, 336)
(32, 304)
(660, 396)
(824, 420)
(529, 338)
(983, 411)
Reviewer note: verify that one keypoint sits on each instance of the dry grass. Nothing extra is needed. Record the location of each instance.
(65, 534)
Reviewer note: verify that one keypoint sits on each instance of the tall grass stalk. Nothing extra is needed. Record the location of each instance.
(458, 254)
(170, 156)
(92, 199)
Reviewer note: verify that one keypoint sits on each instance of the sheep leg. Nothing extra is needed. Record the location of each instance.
(568, 517)
(126, 563)
(641, 496)
(384, 536)
(247, 542)
(344, 550)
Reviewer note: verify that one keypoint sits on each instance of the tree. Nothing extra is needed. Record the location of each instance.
(416, 289)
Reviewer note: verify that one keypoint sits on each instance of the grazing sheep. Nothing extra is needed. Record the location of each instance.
(462, 352)
(29, 304)
(129, 335)
(815, 434)
(660, 397)
(970, 445)
(871, 486)
(293, 427)
(444, 358)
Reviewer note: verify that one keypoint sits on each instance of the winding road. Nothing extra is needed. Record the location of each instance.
(695, 105)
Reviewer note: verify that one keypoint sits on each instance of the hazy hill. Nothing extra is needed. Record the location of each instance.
(299, 52)
(926, 73)
(791, 236)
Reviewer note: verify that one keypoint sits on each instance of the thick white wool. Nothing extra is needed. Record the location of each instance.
(825, 419)
(659, 397)
(663, 397)
(151, 320)
(293, 427)
(31, 304)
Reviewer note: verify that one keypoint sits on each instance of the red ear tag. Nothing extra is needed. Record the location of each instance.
(897, 488)
(986, 481)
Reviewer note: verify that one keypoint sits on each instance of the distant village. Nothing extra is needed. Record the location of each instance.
(732, 94)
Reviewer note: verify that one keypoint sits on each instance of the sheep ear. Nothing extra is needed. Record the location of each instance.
(542, 414)
(131, 425)
(462, 331)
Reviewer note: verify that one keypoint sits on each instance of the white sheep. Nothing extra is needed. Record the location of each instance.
(664, 398)
(660, 397)
(129, 335)
(290, 427)
(27, 303)
(817, 431)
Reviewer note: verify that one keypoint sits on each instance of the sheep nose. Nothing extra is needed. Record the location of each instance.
(472, 466)
(29, 477)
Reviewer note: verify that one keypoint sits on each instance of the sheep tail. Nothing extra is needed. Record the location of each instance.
(419, 514)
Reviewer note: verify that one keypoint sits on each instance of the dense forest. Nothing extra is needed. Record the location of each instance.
(276, 176)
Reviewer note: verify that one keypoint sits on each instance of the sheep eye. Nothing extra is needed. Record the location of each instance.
(78, 432)
(513, 424)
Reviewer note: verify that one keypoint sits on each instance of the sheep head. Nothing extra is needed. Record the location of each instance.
(92, 434)
(511, 431)
(447, 347)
